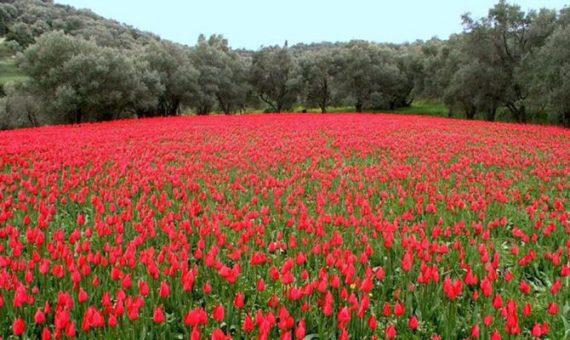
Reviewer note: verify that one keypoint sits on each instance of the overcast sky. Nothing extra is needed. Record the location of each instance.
(253, 23)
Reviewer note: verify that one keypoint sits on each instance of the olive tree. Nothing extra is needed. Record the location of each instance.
(317, 72)
(178, 77)
(440, 61)
(274, 76)
(551, 78)
(506, 36)
(369, 77)
(471, 89)
(358, 75)
(20, 108)
(222, 76)
(412, 74)
(78, 81)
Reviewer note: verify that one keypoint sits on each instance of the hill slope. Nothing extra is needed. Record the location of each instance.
(24, 20)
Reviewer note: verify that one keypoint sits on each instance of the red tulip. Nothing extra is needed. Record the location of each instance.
(553, 308)
(475, 332)
(39, 317)
(218, 314)
(399, 309)
(300, 331)
(19, 327)
(164, 290)
(372, 323)
(413, 323)
(239, 301)
(46, 333)
(158, 315)
(391, 332)
(82, 296)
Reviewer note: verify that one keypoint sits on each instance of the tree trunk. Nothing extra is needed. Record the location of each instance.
(519, 113)
(203, 110)
(325, 93)
(226, 108)
(168, 108)
(524, 118)
(32, 119)
(323, 106)
(267, 101)
(470, 112)
(78, 115)
(358, 106)
(492, 114)
(174, 106)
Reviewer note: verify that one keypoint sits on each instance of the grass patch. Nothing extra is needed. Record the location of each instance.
(8, 69)
(420, 107)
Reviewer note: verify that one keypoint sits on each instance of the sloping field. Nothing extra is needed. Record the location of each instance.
(292, 226)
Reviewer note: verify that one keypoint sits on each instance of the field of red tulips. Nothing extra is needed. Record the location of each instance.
(285, 226)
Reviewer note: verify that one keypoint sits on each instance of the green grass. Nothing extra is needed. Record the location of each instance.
(8, 69)
(420, 107)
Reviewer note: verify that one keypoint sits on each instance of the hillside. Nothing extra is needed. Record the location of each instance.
(22, 21)
(25, 20)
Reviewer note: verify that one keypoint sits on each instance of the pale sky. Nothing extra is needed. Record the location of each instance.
(253, 23)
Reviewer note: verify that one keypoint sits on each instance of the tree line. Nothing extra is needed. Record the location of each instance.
(81, 67)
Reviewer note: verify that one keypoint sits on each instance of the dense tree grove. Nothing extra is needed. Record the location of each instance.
(509, 65)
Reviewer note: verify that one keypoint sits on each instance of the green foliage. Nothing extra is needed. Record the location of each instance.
(7, 15)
